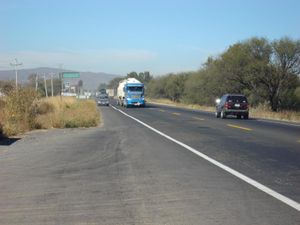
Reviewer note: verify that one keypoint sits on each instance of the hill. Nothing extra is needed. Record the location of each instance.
(91, 80)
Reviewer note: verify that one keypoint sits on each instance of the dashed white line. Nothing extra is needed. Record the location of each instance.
(235, 173)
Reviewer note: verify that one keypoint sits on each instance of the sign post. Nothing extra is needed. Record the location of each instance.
(67, 75)
(70, 75)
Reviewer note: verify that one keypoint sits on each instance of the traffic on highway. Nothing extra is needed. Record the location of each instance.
(150, 112)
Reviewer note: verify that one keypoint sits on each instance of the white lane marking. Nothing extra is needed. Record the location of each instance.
(239, 175)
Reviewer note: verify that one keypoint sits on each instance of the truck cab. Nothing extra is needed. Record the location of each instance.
(131, 93)
(134, 95)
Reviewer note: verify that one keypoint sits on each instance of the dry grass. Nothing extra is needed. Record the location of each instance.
(18, 112)
(262, 112)
(265, 113)
(2, 114)
(23, 111)
(68, 113)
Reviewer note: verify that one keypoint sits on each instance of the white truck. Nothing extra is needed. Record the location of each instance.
(111, 92)
(130, 92)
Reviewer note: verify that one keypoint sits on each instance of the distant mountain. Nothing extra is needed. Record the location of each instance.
(90, 80)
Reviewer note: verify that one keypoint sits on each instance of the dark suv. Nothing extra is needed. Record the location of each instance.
(233, 104)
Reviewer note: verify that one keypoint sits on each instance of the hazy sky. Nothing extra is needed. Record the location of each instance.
(117, 37)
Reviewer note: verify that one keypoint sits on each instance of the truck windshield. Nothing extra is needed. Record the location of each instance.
(135, 89)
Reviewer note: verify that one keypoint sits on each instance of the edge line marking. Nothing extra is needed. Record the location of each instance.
(235, 173)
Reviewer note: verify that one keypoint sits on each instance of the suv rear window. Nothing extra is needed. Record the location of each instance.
(237, 99)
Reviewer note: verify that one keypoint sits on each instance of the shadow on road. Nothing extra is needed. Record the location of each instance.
(149, 105)
(6, 141)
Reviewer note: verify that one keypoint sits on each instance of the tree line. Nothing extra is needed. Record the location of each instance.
(144, 77)
(267, 72)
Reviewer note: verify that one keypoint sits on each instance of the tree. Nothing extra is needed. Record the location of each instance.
(80, 84)
(262, 70)
(156, 88)
(282, 72)
(175, 86)
(132, 75)
(143, 77)
(147, 77)
(259, 69)
(113, 84)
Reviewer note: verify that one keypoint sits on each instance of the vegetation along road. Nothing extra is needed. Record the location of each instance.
(154, 165)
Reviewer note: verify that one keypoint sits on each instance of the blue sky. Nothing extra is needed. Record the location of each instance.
(135, 35)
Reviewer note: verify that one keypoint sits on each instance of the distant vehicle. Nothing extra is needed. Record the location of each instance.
(232, 104)
(103, 100)
(102, 91)
(110, 92)
(130, 92)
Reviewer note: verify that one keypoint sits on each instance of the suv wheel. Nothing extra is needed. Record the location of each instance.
(217, 114)
(238, 116)
(246, 116)
(223, 115)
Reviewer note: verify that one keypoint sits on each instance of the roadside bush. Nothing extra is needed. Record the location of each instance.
(2, 119)
(82, 113)
(19, 111)
(23, 110)
(44, 108)
(68, 113)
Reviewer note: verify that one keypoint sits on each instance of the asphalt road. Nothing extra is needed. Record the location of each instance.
(125, 173)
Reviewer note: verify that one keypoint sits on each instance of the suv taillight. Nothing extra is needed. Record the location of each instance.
(244, 106)
(228, 105)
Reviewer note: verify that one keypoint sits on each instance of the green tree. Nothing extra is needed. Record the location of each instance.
(113, 84)
(132, 75)
(156, 88)
(286, 67)
(143, 77)
(262, 70)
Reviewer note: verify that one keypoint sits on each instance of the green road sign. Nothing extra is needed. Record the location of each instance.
(71, 75)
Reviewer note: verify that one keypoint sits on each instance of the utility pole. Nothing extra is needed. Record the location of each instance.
(45, 83)
(52, 84)
(36, 81)
(15, 65)
(61, 79)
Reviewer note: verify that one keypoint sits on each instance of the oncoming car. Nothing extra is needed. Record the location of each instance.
(103, 100)
(232, 104)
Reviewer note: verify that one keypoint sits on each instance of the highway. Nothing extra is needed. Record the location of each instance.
(148, 166)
